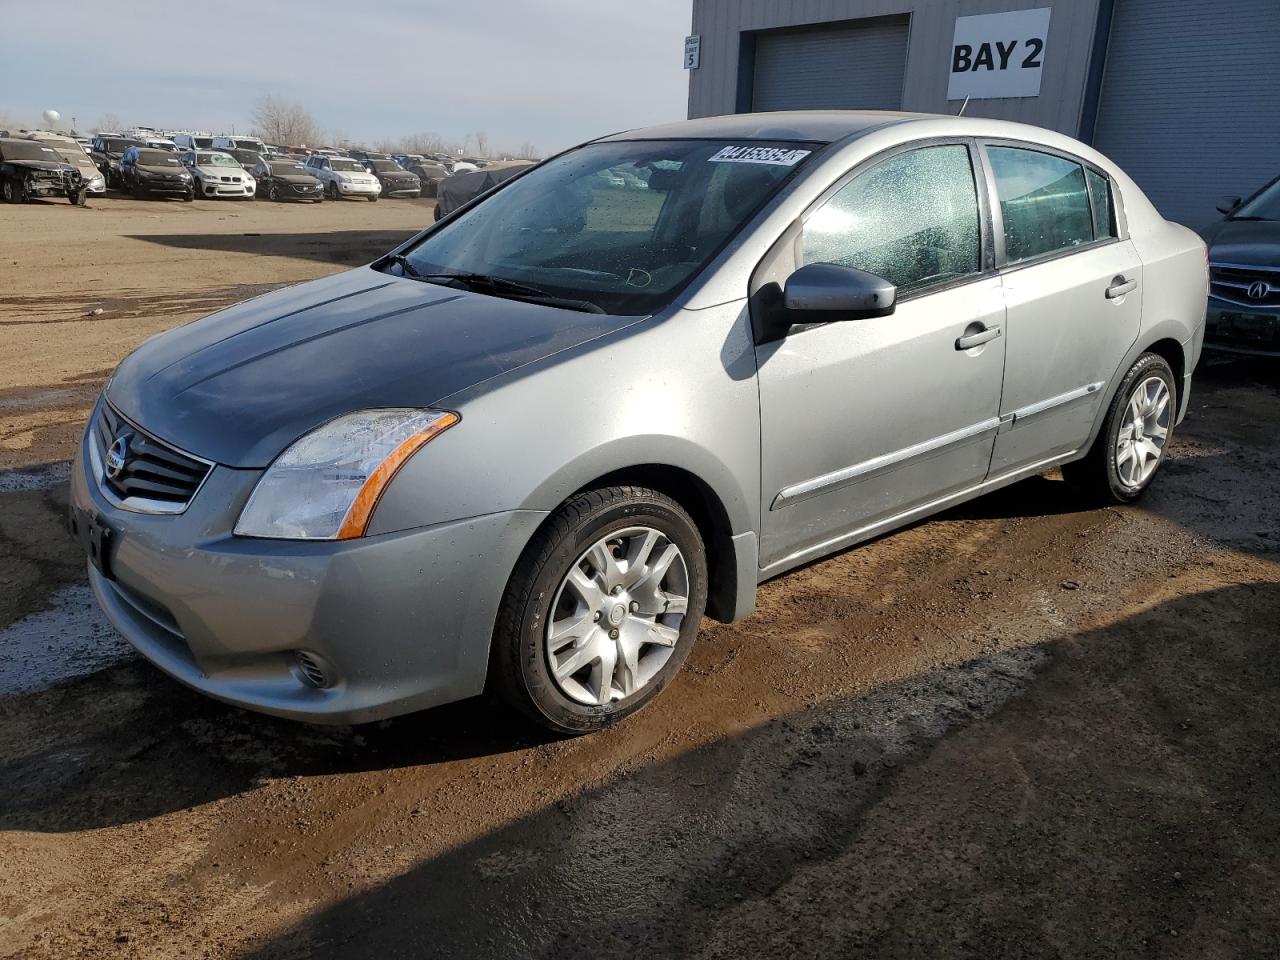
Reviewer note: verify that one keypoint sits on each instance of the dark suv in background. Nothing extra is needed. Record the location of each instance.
(30, 169)
(145, 171)
(1244, 275)
(107, 152)
(396, 180)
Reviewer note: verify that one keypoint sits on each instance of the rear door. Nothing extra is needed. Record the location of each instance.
(1073, 294)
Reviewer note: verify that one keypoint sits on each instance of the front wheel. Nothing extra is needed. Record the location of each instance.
(274, 193)
(1134, 438)
(601, 610)
(373, 198)
(12, 191)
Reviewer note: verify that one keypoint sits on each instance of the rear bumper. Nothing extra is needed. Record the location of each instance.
(398, 622)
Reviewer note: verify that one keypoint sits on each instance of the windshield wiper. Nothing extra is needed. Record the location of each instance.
(405, 266)
(511, 289)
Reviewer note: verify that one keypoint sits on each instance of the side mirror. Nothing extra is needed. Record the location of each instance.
(1229, 204)
(834, 292)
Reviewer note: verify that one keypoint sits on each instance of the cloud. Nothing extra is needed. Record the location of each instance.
(552, 72)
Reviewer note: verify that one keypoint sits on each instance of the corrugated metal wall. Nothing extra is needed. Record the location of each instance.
(833, 68)
(1190, 102)
(713, 87)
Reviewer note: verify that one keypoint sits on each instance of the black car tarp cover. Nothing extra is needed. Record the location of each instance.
(462, 188)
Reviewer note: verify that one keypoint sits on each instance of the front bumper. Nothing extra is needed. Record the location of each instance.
(358, 189)
(166, 188)
(399, 622)
(218, 188)
(1248, 331)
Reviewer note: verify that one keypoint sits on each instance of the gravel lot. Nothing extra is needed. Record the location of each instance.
(1025, 728)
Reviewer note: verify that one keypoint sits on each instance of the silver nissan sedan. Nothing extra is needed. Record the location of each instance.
(527, 450)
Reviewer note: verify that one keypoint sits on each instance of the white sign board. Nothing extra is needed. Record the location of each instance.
(998, 55)
(692, 51)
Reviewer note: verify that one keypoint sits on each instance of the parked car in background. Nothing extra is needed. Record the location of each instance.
(30, 169)
(285, 179)
(245, 157)
(161, 143)
(71, 151)
(218, 175)
(228, 144)
(462, 166)
(148, 172)
(430, 173)
(343, 177)
(406, 159)
(107, 151)
(366, 155)
(192, 141)
(396, 181)
(459, 189)
(1244, 275)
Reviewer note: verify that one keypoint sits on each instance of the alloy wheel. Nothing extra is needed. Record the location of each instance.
(1143, 432)
(616, 616)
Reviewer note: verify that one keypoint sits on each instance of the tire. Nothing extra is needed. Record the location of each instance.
(1112, 472)
(274, 192)
(12, 191)
(539, 595)
(373, 198)
(331, 190)
(188, 196)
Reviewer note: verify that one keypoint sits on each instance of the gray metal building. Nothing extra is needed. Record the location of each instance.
(1184, 94)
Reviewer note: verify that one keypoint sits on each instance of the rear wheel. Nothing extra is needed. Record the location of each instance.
(601, 610)
(331, 189)
(12, 191)
(1134, 438)
(274, 192)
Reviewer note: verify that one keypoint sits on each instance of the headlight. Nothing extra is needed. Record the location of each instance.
(184, 175)
(326, 485)
(343, 178)
(97, 183)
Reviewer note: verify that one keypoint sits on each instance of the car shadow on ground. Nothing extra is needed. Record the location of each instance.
(350, 247)
(1122, 799)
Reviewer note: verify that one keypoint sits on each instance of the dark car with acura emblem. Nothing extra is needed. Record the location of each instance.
(1244, 275)
(30, 169)
(148, 172)
(396, 181)
(286, 180)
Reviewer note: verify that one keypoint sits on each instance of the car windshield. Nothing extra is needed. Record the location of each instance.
(1265, 206)
(248, 145)
(157, 158)
(205, 142)
(78, 157)
(215, 160)
(384, 165)
(117, 146)
(623, 225)
(344, 165)
(29, 150)
(283, 169)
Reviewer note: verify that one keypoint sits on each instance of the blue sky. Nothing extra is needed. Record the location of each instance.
(549, 72)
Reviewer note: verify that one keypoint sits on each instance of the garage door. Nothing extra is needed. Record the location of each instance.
(1189, 103)
(855, 65)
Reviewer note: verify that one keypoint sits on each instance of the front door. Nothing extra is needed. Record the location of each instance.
(865, 421)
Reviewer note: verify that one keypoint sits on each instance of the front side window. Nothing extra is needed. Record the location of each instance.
(622, 225)
(912, 219)
(1044, 202)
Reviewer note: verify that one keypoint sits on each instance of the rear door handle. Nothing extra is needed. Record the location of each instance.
(1120, 286)
(971, 340)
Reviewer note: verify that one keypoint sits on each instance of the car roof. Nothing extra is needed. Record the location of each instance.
(822, 126)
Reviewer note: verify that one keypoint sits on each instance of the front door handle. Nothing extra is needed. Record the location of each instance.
(978, 338)
(1120, 286)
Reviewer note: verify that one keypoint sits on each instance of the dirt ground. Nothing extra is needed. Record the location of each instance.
(1025, 728)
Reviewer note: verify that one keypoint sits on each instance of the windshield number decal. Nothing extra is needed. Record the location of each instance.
(776, 156)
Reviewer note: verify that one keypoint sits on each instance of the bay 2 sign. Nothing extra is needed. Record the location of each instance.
(998, 55)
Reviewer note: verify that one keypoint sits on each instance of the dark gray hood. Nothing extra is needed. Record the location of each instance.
(240, 385)
(1249, 242)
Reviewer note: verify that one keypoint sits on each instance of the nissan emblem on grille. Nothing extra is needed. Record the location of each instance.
(117, 455)
(1259, 289)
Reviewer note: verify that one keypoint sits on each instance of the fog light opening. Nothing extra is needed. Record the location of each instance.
(313, 671)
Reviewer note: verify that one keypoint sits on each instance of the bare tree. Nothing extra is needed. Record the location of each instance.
(110, 122)
(277, 120)
(527, 151)
(482, 143)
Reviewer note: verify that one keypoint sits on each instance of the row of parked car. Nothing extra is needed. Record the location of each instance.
(42, 163)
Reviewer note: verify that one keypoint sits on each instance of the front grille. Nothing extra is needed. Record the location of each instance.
(153, 471)
(1232, 282)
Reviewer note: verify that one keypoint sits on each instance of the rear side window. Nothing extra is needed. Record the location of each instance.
(912, 220)
(1104, 221)
(1044, 202)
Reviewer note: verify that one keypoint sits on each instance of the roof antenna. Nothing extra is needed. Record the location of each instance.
(962, 106)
